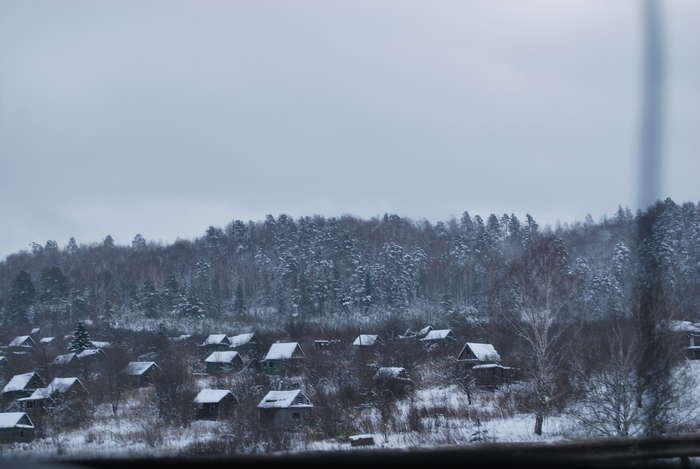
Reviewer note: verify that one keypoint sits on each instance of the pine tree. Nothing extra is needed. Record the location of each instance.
(139, 242)
(108, 242)
(80, 340)
(72, 246)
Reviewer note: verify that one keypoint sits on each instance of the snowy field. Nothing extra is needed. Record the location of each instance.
(446, 419)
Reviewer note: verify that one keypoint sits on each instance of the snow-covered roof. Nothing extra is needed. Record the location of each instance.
(365, 339)
(424, 331)
(36, 330)
(21, 341)
(684, 326)
(492, 365)
(221, 357)
(216, 339)
(138, 368)
(65, 359)
(284, 351)
(61, 385)
(38, 394)
(15, 420)
(284, 400)
(19, 382)
(90, 352)
(211, 396)
(438, 334)
(482, 352)
(100, 344)
(391, 372)
(241, 339)
(46, 340)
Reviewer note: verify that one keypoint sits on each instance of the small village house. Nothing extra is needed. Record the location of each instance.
(50, 344)
(223, 362)
(66, 361)
(326, 344)
(438, 337)
(59, 389)
(216, 342)
(424, 332)
(688, 332)
(366, 340)
(361, 440)
(214, 404)
(477, 353)
(394, 378)
(280, 356)
(47, 340)
(22, 385)
(243, 341)
(21, 343)
(15, 427)
(90, 357)
(410, 334)
(491, 375)
(284, 409)
(140, 374)
(100, 344)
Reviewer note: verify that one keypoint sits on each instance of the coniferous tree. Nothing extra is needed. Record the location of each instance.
(72, 246)
(80, 340)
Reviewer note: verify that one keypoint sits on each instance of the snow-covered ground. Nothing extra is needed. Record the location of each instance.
(446, 419)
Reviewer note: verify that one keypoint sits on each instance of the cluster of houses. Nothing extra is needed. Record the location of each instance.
(27, 395)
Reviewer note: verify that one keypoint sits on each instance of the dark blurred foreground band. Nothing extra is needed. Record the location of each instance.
(668, 452)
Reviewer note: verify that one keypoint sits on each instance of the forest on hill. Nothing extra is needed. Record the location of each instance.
(315, 267)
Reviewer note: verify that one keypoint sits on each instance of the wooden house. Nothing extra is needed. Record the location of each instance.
(216, 342)
(139, 374)
(477, 353)
(223, 362)
(22, 385)
(284, 409)
(49, 343)
(91, 356)
(693, 349)
(59, 389)
(439, 337)
(242, 342)
(16, 427)
(394, 378)
(280, 356)
(491, 375)
(362, 440)
(21, 343)
(66, 361)
(214, 404)
(366, 340)
(326, 344)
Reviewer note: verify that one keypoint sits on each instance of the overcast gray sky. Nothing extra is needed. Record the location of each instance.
(164, 117)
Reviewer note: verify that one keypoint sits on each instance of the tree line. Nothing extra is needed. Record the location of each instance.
(315, 266)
